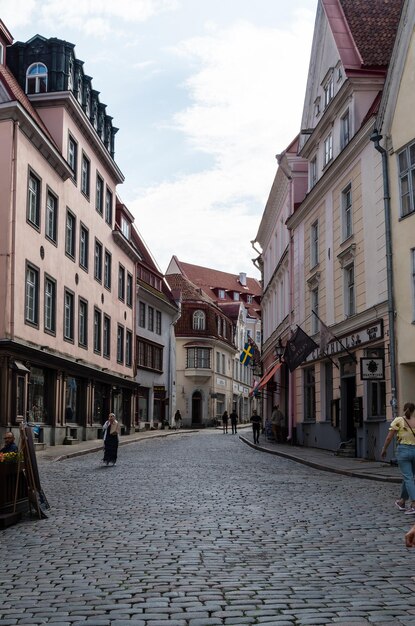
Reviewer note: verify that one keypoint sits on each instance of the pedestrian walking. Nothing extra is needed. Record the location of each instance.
(256, 425)
(234, 422)
(177, 420)
(277, 421)
(225, 418)
(404, 429)
(111, 434)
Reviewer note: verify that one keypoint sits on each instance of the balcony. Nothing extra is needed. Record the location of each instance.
(198, 374)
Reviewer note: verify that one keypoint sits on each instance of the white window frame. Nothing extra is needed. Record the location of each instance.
(406, 168)
(68, 320)
(51, 216)
(314, 297)
(345, 129)
(199, 320)
(347, 212)
(328, 149)
(50, 305)
(39, 78)
(349, 290)
(32, 295)
(313, 172)
(314, 244)
(328, 90)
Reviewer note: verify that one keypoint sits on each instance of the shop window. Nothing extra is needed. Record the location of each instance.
(36, 400)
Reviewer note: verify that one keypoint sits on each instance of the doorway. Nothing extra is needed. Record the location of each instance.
(348, 394)
(196, 408)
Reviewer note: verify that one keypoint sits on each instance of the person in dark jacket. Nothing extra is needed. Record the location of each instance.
(256, 425)
(9, 444)
(234, 421)
(225, 418)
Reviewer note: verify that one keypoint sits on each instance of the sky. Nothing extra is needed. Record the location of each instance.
(205, 93)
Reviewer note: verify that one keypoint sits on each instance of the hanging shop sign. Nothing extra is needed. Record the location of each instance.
(372, 368)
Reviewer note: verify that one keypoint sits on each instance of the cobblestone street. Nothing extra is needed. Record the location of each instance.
(202, 530)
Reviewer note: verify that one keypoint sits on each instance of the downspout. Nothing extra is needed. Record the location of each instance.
(376, 137)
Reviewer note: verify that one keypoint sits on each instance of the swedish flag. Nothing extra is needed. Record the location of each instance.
(247, 354)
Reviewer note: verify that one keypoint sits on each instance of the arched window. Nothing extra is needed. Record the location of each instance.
(199, 320)
(37, 78)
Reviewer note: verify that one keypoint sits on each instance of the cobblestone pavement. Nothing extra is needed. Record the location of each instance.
(202, 530)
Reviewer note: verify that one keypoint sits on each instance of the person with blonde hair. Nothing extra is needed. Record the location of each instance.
(404, 429)
(111, 433)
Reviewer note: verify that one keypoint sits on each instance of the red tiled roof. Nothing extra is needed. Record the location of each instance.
(187, 290)
(373, 25)
(16, 93)
(209, 279)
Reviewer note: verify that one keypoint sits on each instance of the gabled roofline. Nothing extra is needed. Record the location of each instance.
(346, 45)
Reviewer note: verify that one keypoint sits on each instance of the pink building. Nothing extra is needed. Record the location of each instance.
(67, 321)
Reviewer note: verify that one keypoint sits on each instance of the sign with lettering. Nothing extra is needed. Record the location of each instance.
(362, 336)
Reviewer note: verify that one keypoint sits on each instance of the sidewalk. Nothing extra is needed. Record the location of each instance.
(327, 461)
(313, 457)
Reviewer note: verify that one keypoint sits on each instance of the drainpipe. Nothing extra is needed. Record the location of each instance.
(376, 137)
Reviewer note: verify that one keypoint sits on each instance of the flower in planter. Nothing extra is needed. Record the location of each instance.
(11, 457)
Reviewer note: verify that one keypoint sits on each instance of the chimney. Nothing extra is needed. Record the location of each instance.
(242, 278)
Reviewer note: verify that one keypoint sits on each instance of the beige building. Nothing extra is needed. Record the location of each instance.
(339, 295)
(396, 123)
(67, 323)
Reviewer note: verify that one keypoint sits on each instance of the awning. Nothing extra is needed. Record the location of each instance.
(268, 375)
(18, 365)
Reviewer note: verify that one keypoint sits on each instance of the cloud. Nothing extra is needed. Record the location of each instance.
(93, 17)
(246, 97)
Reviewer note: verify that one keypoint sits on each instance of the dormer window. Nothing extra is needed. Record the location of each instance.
(37, 78)
(249, 299)
(199, 320)
(1, 54)
(125, 227)
(236, 295)
(221, 294)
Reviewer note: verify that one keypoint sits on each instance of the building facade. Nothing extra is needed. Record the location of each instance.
(67, 331)
(219, 311)
(157, 312)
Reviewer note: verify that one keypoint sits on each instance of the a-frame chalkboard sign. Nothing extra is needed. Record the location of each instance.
(37, 499)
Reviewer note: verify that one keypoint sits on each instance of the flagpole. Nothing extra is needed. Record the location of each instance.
(337, 339)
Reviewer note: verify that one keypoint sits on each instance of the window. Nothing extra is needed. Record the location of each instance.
(37, 78)
(309, 395)
(249, 299)
(106, 340)
(314, 307)
(97, 330)
(199, 320)
(33, 200)
(376, 391)
(149, 355)
(314, 245)
(345, 129)
(85, 174)
(98, 261)
(328, 91)
(347, 222)
(107, 269)
(218, 362)
(413, 282)
(70, 234)
(129, 295)
(236, 296)
(120, 344)
(68, 317)
(73, 156)
(223, 364)
(350, 305)
(121, 283)
(221, 294)
(198, 358)
(108, 207)
(125, 227)
(83, 323)
(406, 161)
(142, 314)
(313, 172)
(1, 63)
(83, 247)
(32, 295)
(51, 216)
(128, 348)
(150, 318)
(158, 323)
(99, 195)
(50, 305)
(328, 149)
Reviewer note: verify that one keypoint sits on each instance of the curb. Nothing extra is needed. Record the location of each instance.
(324, 468)
(98, 447)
